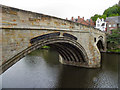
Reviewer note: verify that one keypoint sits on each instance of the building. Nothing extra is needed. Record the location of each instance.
(90, 22)
(101, 24)
(112, 23)
(87, 22)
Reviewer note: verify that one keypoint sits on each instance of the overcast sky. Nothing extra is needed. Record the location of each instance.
(63, 8)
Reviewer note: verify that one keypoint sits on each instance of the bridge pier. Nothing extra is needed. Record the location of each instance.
(92, 63)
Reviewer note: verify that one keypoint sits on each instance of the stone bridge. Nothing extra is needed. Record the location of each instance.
(22, 32)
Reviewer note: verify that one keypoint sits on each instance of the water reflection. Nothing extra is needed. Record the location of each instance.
(41, 69)
(0, 82)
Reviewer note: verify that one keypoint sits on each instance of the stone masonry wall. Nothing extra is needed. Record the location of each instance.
(15, 41)
(0, 37)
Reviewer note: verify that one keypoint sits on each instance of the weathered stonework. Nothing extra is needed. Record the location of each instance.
(0, 39)
(19, 27)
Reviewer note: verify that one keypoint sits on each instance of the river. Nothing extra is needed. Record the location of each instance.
(42, 69)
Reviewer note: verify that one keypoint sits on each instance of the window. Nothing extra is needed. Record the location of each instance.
(98, 25)
(119, 25)
(103, 24)
(114, 25)
(109, 25)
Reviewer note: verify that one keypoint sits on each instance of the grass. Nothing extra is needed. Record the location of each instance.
(45, 47)
(114, 50)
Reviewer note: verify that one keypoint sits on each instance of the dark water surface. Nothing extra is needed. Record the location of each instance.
(41, 69)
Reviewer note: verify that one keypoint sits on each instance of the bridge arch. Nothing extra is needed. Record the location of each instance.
(100, 44)
(69, 49)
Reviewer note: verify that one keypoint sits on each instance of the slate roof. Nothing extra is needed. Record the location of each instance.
(115, 19)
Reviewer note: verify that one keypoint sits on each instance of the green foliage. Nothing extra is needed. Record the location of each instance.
(111, 11)
(116, 50)
(45, 47)
(114, 39)
(94, 18)
(103, 16)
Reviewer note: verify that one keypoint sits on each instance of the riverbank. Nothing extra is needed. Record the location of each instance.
(117, 51)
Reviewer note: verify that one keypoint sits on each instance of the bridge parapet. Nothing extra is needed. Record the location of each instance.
(21, 19)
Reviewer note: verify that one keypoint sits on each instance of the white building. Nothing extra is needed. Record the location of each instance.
(100, 24)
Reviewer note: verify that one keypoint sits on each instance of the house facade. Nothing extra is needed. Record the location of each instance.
(112, 23)
(101, 24)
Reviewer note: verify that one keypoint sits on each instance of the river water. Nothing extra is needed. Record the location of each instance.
(41, 69)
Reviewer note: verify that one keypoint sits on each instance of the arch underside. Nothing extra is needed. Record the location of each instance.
(100, 45)
(71, 51)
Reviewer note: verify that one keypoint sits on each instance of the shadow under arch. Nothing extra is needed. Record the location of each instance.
(68, 48)
(100, 45)
(71, 51)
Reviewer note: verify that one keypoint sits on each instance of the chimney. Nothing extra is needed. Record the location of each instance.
(78, 17)
(83, 18)
(87, 21)
(90, 20)
(72, 19)
(66, 18)
(102, 19)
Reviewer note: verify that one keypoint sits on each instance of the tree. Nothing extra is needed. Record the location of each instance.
(111, 11)
(114, 39)
(94, 18)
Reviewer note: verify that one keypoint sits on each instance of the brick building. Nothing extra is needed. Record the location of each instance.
(87, 22)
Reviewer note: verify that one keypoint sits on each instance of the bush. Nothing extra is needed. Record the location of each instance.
(113, 40)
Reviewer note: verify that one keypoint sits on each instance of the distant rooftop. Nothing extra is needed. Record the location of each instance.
(114, 18)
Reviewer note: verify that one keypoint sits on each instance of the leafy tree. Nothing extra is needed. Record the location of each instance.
(114, 39)
(94, 18)
(103, 16)
(111, 11)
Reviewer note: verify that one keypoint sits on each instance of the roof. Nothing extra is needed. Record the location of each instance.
(114, 18)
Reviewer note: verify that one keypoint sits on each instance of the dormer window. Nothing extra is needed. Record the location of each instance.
(103, 24)
(98, 25)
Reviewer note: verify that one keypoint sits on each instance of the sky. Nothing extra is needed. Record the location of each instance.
(63, 8)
